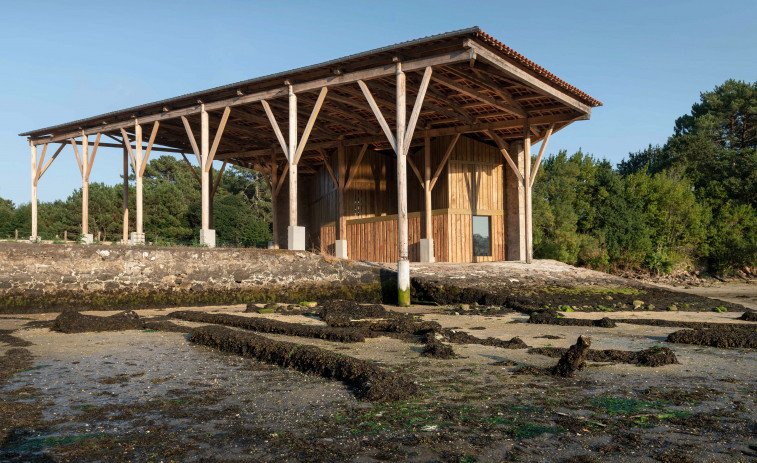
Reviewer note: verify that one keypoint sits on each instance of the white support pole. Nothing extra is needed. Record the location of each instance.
(295, 234)
(84, 188)
(33, 236)
(126, 198)
(527, 188)
(207, 236)
(427, 243)
(403, 265)
(140, 234)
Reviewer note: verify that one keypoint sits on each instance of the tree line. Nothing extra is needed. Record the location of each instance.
(171, 206)
(690, 203)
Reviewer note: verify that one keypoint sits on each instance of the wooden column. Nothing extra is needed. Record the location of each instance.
(138, 180)
(211, 193)
(205, 179)
(403, 266)
(428, 232)
(527, 188)
(84, 185)
(274, 200)
(292, 160)
(125, 199)
(341, 219)
(33, 236)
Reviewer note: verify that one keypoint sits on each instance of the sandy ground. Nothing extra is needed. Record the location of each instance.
(153, 396)
(737, 293)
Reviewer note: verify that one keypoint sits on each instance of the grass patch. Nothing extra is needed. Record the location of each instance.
(621, 406)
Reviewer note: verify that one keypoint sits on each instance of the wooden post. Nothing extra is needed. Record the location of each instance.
(126, 197)
(33, 236)
(274, 200)
(403, 265)
(84, 186)
(341, 220)
(527, 188)
(65, 236)
(428, 232)
(205, 179)
(292, 160)
(138, 182)
(210, 199)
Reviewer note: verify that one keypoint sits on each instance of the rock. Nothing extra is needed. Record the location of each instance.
(673, 308)
(638, 304)
(574, 358)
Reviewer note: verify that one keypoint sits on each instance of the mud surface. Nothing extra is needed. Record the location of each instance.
(550, 317)
(370, 381)
(716, 338)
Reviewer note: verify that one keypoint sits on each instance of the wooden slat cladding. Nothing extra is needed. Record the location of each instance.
(471, 183)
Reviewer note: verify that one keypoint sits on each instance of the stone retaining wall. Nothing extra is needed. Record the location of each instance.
(42, 277)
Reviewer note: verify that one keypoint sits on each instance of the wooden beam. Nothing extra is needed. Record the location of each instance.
(311, 122)
(94, 152)
(127, 144)
(281, 179)
(355, 166)
(38, 164)
(416, 171)
(191, 169)
(417, 108)
(191, 137)
(57, 152)
(78, 158)
(447, 154)
(379, 116)
(154, 132)
(328, 167)
(217, 138)
(218, 180)
(522, 75)
(276, 128)
(479, 96)
(541, 153)
(503, 149)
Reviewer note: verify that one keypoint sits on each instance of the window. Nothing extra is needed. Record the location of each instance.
(482, 236)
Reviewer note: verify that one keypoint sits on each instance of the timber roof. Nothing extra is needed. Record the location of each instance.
(496, 90)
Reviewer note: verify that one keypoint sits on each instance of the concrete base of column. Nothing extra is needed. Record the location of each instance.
(296, 238)
(403, 283)
(34, 239)
(340, 249)
(207, 237)
(427, 250)
(136, 239)
(87, 238)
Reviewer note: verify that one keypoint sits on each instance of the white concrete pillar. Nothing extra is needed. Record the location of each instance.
(295, 234)
(34, 237)
(138, 237)
(527, 188)
(125, 199)
(207, 235)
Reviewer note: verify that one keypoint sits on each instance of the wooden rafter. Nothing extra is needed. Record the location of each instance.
(479, 96)
(191, 137)
(127, 144)
(379, 116)
(217, 139)
(544, 142)
(503, 149)
(309, 127)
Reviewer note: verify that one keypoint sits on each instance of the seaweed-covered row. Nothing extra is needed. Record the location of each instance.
(265, 325)
(370, 381)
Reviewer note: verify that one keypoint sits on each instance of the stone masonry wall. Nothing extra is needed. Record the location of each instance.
(45, 277)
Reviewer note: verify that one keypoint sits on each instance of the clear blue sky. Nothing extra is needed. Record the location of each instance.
(61, 61)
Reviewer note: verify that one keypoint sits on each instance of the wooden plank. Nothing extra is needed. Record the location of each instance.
(415, 171)
(191, 169)
(57, 152)
(417, 108)
(311, 122)
(379, 116)
(149, 147)
(328, 167)
(276, 129)
(94, 152)
(541, 153)
(191, 137)
(218, 180)
(503, 149)
(78, 158)
(447, 154)
(281, 179)
(217, 138)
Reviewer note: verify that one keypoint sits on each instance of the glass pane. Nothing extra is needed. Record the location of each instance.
(482, 237)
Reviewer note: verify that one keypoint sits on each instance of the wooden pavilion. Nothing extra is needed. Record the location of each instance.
(461, 109)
